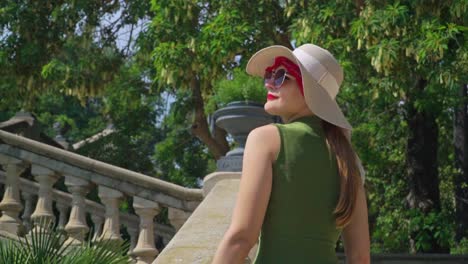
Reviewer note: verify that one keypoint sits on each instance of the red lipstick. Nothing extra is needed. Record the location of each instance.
(272, 97)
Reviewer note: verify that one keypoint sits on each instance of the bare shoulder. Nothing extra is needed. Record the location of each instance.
(265, 133)
(267, 138)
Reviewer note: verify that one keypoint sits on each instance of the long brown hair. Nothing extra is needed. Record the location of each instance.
(350, 179)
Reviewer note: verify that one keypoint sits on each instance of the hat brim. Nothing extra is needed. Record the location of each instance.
(316, 97)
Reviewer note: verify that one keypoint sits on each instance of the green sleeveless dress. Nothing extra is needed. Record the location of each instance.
(299, 226)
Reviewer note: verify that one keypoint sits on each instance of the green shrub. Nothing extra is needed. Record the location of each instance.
(433, 224)
(49, 248)
(242, 87)
(460, 248)
(395, 227)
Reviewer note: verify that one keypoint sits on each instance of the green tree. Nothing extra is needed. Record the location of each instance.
(196, 42)
(65, 61)
(61, 46)
(126, 105)
(181, 158)
(461, 164)
(416, 49)
(129, 106)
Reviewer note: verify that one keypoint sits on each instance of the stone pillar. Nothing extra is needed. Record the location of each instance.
(97, 220)
(11, 203)
(28, 209)
(177, 217)
(77, 226)
(145, 250)
(43, 214)
(63, 213)
(110, 199)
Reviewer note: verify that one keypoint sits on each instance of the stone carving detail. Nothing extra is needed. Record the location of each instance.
(77, 226)
(133, 232)
(11, 204)
(43, 216)
(145, 250)
(97, 220)
(110, 199)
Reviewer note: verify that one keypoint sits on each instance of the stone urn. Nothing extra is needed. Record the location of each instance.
(238, 119)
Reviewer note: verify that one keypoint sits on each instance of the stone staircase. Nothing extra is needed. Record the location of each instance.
(30, 169)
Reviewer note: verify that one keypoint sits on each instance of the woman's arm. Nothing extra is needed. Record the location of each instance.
(356, 233)
(261, 149)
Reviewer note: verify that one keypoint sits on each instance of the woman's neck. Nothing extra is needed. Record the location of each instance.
(289, 118)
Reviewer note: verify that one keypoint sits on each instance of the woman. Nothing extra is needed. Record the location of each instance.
(301, 183)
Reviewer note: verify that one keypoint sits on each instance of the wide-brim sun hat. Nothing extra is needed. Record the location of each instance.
(321, 77)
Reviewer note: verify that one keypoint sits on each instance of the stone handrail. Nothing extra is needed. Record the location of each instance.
(131, 182)
(197, 240)
(95, 209)
(47, 164)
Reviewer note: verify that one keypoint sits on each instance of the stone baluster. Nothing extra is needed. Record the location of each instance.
(133, 232)
(145, 250)
(110, 199)
(11, 203)
(77, 226)
(28, 209)
(43, 216)
(97, 220)
(177, 217)
(63, 213)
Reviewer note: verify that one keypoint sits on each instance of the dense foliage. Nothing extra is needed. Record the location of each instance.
(180, 157)
(49, 248)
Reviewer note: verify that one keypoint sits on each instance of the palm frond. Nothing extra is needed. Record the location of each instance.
(12, 253)
(44, 246)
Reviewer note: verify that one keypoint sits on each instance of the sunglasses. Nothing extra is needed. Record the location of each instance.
(276, 78)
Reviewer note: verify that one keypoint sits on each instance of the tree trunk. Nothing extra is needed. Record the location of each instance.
(421, 158)
(217, 145)
(460, 132)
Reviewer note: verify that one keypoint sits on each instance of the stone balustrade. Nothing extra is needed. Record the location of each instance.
(63, 203)
(41, 204)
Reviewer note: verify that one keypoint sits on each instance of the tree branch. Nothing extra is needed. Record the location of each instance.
(218, 146)
(127, 49)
